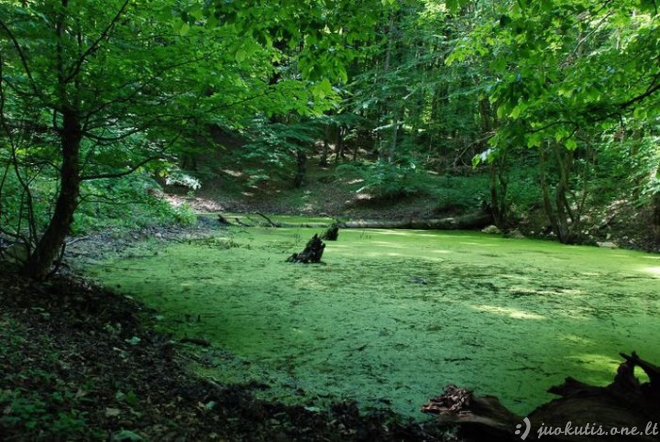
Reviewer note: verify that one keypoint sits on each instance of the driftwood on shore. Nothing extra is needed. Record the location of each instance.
(582, 412)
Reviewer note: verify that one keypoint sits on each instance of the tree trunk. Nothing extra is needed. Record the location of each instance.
(560, 215)
(301, 169)
(655, 204)
(395, 136)
(499, 204)
(339, 146)
(567, 220)
(39, 263)
(323, 161)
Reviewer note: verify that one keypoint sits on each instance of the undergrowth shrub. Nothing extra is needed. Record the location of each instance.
(18, 208)
(127, 202)
(272, 150)
(385, 180)
(524, 191)
(34, 414)
(460, 193)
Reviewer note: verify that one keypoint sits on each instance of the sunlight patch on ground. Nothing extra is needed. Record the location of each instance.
(655, 271)
(510, 312)
(476, 244)
(594, 364)
(399, 232)
(389, 245)
(577, 339)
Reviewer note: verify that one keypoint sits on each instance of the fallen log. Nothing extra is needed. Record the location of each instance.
(223, 221)
(250, 221)
(270, 222)
(471, 221)
(624, 410)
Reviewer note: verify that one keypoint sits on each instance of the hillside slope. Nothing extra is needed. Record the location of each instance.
(342, 194)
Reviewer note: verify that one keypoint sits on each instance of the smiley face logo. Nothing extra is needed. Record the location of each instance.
(528, 426)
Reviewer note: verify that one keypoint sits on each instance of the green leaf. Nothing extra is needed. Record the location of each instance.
(196, 11)
(560, 134)
(453, 5)
(133, 341)
(501, 111)
(240, 55)
(534, 139)
(322, 89)
(518, 110)
(126, 435)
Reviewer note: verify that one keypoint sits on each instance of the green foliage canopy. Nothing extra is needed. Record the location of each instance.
(99, 89)
(559, 66)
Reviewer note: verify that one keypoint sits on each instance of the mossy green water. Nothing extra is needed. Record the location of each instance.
(393, 316)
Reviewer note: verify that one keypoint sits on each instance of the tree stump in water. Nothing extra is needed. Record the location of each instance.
(332, 233)
(312, 253)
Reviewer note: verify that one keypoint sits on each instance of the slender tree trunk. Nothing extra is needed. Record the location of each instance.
(40, 261)
(301, 169)
(388, 153)
(565, 221)
(340, 141)
(323, 162)
(339, 146)
(395, 135)
(547, 203)
(568, 219)
(499, 205)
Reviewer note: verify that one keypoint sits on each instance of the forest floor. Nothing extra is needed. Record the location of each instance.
(78, 362)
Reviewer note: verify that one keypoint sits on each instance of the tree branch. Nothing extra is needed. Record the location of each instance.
(653, 88)
(21, 55)
(127, 99)
(129, 171)
(94, 46)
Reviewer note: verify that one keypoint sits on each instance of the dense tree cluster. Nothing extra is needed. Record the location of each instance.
(559, 96)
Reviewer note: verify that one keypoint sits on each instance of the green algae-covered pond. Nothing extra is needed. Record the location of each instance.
(392, 316)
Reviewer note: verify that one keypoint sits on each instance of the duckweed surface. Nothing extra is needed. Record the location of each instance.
(393, 316)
